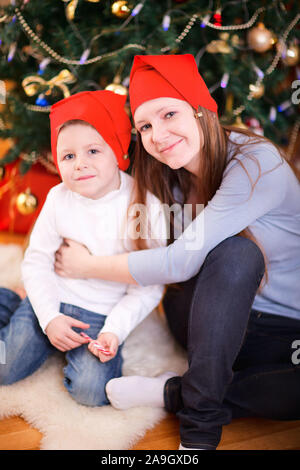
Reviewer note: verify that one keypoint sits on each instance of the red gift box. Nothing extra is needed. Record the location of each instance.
(39, 180)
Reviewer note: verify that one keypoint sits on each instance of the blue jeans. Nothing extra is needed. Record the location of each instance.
(27, 348)
(239, 359)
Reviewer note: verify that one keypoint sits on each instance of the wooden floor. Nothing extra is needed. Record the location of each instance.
(241, 434)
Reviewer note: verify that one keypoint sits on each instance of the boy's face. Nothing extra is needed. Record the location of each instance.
(87, 164)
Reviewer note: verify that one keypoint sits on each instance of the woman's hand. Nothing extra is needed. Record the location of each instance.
(72, 260)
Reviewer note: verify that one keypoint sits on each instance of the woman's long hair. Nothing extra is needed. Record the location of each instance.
(156, 177)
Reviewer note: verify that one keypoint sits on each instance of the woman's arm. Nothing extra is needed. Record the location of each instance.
(74, 260)
(233, 208)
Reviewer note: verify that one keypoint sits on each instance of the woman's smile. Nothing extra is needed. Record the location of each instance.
(170, 147)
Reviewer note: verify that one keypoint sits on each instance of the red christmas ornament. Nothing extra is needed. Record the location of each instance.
(217, 18)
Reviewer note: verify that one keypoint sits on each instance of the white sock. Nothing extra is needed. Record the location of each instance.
(186, 448)
(132, 391)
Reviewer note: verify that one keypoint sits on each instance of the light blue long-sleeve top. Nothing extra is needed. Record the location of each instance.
(272, 212)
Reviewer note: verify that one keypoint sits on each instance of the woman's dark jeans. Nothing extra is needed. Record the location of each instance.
(240, 360)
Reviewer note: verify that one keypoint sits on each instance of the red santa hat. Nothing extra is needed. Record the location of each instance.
(172, 76)
(104, 110)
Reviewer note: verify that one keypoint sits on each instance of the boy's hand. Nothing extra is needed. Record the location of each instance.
(62, 336)
(108, 341)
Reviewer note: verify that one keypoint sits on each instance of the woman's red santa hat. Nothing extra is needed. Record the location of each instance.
(104, 110)
(172, 76)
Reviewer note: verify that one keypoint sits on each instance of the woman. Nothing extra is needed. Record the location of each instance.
(236, 308)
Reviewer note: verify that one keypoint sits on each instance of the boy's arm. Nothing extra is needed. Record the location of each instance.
(139, 301)
(38, 265)
(133, 307)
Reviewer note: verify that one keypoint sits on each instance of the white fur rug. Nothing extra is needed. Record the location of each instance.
(44, 403)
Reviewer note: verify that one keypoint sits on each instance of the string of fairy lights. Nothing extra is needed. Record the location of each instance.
(31, 84)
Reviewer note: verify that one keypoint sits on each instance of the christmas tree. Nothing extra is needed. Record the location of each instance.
(247, 52)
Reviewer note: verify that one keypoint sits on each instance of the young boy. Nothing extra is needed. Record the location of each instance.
(90, 136)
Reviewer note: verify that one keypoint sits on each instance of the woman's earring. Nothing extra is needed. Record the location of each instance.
(198, 115)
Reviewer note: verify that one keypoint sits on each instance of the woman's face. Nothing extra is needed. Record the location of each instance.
(170, 132)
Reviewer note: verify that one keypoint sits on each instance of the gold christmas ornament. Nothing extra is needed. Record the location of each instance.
(117, 87)
(260, 39)
(239, 123)
(257, 90)
(70, 9)
(120, 9)
(229, 103)
(26, 202)
(290, 55)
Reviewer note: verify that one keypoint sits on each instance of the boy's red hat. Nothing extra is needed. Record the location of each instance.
(172, 76)
(104, 110)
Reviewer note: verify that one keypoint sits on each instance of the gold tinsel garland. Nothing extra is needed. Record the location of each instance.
(64, 60)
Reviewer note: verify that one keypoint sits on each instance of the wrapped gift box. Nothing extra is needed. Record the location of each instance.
(37, 181)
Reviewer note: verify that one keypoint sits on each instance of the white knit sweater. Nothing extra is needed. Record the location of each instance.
(100, 226)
